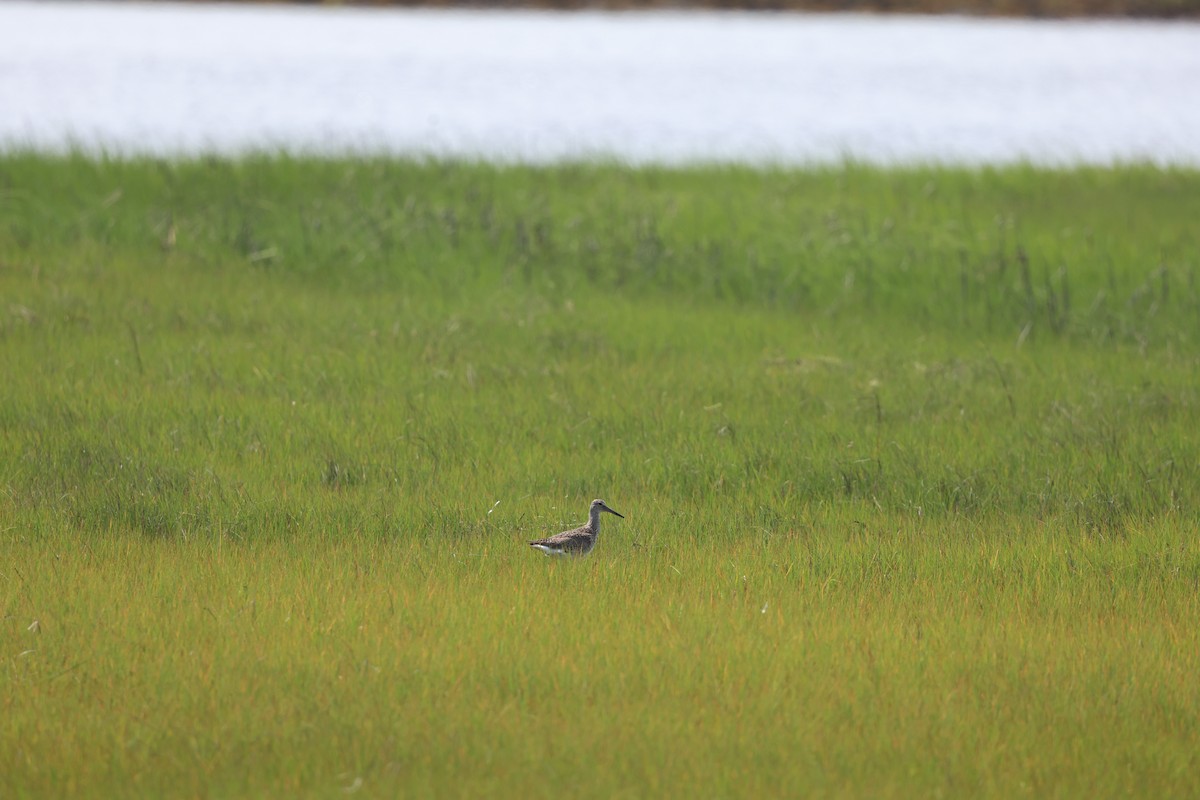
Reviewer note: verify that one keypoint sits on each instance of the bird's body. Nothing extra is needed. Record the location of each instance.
(577, 542)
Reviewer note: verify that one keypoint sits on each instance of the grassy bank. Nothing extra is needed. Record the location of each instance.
(1163, 9)
(908, 460)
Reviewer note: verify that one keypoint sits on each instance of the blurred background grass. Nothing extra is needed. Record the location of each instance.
(929, 341)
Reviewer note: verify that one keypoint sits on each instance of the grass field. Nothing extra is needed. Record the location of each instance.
(908, 460)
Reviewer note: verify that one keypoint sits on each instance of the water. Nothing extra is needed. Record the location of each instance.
(533, 86)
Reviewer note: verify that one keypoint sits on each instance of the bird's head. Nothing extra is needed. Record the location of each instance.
(600, 505)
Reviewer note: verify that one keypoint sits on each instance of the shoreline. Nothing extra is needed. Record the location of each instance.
(999, 9)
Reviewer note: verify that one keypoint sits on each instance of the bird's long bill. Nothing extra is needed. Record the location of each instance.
(609, 510)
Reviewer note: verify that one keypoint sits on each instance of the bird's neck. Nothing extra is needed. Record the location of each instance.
(594, 521)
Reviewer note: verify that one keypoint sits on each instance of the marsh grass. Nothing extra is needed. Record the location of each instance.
(908, 460)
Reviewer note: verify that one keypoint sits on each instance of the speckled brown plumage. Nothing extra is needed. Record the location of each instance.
(577, 542)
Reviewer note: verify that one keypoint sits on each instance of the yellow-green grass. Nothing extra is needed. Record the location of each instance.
(908, 460)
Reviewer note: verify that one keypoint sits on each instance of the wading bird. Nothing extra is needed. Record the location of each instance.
(578, 542)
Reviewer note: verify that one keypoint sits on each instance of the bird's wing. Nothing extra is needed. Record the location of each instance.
(566, 536)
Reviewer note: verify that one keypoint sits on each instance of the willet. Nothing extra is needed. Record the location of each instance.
(578, 542)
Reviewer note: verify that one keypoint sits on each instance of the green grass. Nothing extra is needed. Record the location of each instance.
(908, 459)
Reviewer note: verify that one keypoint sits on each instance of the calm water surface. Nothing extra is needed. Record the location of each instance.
(535, 86)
